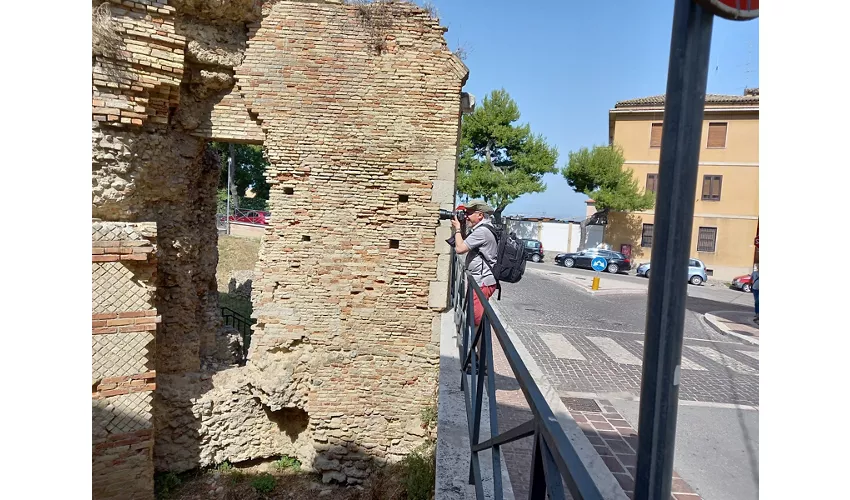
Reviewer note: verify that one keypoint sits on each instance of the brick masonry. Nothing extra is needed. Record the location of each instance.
(123, 325)
(360, 125)
(363, 156)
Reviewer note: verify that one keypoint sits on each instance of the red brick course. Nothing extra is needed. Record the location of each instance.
(125, 322)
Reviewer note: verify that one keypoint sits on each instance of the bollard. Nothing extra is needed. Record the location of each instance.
(595, 285)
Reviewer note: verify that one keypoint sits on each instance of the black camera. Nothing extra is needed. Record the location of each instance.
(448, 214)
(461, 217)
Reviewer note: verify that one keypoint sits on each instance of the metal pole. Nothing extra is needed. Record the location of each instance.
(683, 114)
(230, 163)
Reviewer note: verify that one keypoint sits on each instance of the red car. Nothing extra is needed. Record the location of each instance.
(251, 217)
(743, 283)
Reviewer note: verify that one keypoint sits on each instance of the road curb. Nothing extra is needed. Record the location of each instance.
(718, 326)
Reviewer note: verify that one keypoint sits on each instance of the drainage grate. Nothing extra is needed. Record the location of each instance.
(580, 404)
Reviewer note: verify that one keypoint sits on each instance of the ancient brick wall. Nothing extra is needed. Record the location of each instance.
(123, 351)
(361, 127)
(348, 285)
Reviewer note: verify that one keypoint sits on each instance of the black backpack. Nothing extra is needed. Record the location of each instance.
(510, 258)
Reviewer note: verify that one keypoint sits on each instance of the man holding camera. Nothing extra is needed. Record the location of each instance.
(479, 244)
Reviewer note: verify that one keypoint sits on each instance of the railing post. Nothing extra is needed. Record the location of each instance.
(665, 312)
(495, 451)
(537, 478)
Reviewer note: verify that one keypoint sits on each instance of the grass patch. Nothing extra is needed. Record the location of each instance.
(264, 483)
(428, 415)
(166, 485)
(235, 254)
(287, 463)
(420, 472)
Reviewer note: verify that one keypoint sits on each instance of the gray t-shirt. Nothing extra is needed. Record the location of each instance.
(481, 239)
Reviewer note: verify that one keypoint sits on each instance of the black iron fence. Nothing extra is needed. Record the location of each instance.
(556, 465)
(242, 325)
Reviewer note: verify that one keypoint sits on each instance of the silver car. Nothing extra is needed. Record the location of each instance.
(696, 271)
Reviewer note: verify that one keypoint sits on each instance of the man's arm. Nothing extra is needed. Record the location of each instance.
(461, 245)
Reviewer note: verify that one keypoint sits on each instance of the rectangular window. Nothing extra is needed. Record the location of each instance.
(655, 136)
(717, 135)
(651, 183)
(711, 187)
(707, 239)
(646, 236)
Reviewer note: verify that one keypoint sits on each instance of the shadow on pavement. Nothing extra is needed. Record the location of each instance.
(702, 306)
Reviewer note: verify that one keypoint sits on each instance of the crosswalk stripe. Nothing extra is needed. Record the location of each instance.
(615, 351)
(723, 359)
(687, 364)
(752, 354)
(561, 347)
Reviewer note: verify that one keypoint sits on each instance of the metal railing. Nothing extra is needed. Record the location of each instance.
(242, 325)
(242, 216)
(555, 462)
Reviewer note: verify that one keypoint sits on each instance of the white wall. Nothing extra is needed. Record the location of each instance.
(576, 237)
(555, 236)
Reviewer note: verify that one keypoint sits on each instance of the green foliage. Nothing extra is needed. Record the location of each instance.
(599, 174)
(499, 160)
(224, 467)
(264, 483)
(428, 415)
(165, 484)
(286, 462)
(249, 171)
(236, 477)
(420, 467)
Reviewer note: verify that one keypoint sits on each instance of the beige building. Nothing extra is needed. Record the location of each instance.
(726, 205)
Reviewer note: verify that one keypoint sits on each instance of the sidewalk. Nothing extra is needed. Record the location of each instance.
(584, 283)
(736, 324)
(603, 438)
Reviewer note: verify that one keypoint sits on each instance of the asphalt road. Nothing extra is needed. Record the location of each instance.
(592, 346)
(711, 296)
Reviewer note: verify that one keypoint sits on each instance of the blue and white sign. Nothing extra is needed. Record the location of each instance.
(598, 263)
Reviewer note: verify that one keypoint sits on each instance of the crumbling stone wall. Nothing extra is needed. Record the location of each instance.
(362, 140)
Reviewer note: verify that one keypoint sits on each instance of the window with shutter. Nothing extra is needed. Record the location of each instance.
(651, 183)
(646, 236)
(711, 187)
(655, 136)
(707, 239)
(717, 135)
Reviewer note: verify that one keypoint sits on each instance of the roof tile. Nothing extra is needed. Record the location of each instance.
(658, 100)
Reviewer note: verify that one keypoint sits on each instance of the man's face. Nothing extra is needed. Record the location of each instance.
(474, 216)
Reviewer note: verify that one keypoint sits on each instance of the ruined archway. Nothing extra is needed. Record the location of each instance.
(360, 126)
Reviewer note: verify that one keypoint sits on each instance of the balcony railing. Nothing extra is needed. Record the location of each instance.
(242, 325)
(556, 466)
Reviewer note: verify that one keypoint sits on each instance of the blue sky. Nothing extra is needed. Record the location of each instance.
(566, 62)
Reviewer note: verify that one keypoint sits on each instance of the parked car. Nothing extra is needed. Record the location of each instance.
(696, 271)
(616, 261)
(743, 283)
(533, 250)
(251, 217)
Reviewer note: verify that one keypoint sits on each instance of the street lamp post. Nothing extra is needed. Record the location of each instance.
(684, 107)
(677, 179)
